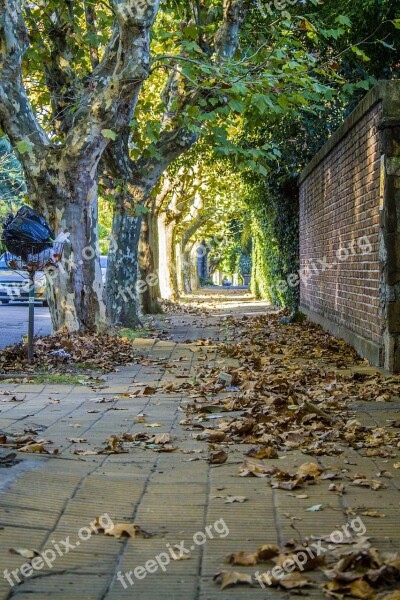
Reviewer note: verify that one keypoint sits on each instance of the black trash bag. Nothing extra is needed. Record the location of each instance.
(27, 233)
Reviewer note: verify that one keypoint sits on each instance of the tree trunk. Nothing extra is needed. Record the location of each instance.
(186, 270)
(179, 268)
(194, 268)
(148, 265)
(167, 257)
(122, 270)
(75, 289)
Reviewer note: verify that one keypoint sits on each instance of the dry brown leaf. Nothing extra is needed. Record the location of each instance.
(309, 470)
(372, 513)
(37, 448)
(160, 438)
(290, 484)
(267, 551)
(227, 579)
(338, 488)
(218, 458)
(242, 559)
(293, 581)
(214, 435)
(166, 448)
(149, 390)
(252, 469)
(361, 589)
(262, 452)
(113, 442)
(370, 483)
(124, 530)
(139, 419)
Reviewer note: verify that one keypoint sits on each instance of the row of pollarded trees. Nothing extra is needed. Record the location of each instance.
(185, 218)
(115, 93)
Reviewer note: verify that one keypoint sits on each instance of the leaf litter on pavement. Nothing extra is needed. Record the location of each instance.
(294, 387)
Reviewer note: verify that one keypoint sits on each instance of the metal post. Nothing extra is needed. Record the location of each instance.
(31, 325)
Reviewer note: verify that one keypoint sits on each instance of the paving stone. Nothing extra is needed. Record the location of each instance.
(169, 495)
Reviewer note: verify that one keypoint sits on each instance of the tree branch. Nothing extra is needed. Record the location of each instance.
(16, 115)
(226, 40)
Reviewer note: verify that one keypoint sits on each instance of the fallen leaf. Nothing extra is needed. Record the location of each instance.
(25, 552)
(160, 438)
(37, 448)
(267, 551)
(262, 452)
(227, 579)
(242, 559)
(370, 483)
(218, 458)
(293, 581)
(124, 530)
(252, 469)
(338, 488)
(231, 499)
(373, 513)
(148, 390)
(314, 508)
(139, 419)
(361, 589)
(309, 470)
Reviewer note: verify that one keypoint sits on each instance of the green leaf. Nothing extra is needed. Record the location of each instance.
(109, 134)
(140, 209)
(24, 147)
(396, 23)
(360, 53)
(191, 32)
(344, 20)
(237, 105)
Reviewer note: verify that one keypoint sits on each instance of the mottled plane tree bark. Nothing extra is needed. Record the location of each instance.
(62, 176)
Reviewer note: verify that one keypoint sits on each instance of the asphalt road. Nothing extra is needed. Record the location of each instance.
(14, 322)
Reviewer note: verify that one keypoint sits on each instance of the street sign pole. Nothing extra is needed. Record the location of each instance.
(31, 324)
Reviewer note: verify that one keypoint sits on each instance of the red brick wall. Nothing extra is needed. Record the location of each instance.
(339, 203)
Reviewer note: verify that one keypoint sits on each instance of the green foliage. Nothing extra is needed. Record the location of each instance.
(105, 224)
(12, 183)
(275, 242)
(244, 265)
(362, 54)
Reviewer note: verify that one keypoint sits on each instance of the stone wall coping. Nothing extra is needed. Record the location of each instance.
(387, 92)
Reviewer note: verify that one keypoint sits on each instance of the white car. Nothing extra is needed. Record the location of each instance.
(14, 285)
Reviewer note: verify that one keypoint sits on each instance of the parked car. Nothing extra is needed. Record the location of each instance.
(14, 285)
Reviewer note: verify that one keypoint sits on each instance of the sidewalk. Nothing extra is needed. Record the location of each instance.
(170, 494)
